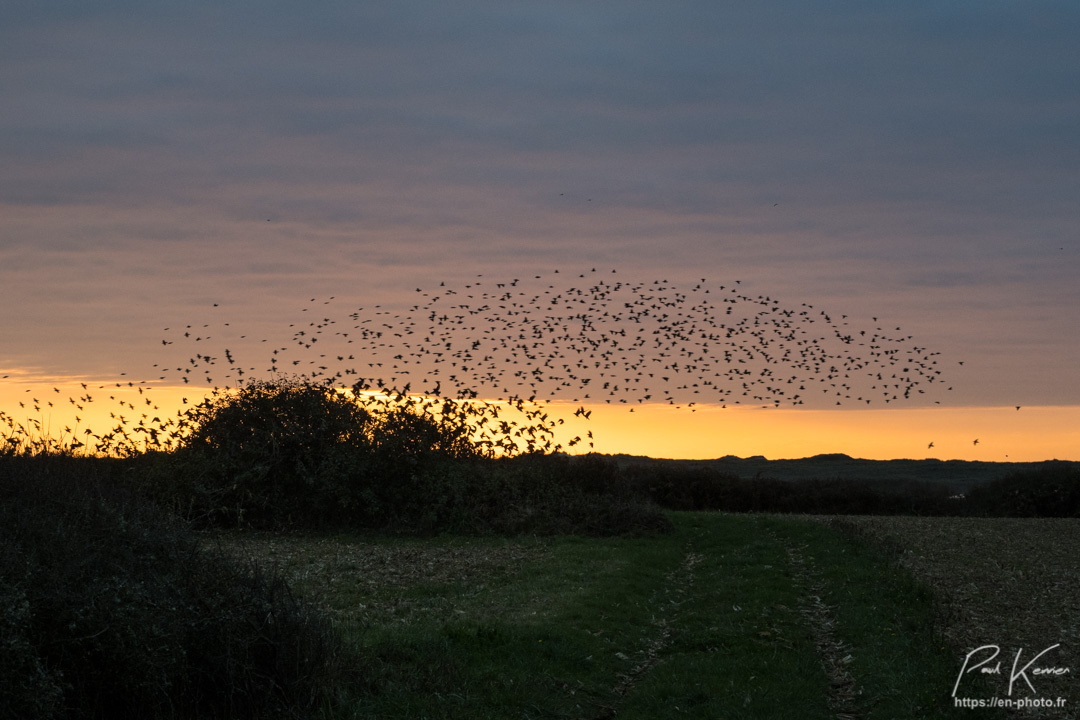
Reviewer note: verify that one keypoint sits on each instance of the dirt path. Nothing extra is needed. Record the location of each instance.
(680, 582)
(834, 655)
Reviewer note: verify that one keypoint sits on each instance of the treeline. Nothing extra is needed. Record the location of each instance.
(1050, 490)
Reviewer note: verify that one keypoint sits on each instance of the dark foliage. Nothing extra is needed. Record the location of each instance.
(288, 454)
(551, 495)
(1052, 490)
(702, 488)
(111, 610)
(303, 454)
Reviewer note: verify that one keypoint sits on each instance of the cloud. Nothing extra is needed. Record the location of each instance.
(874, 153)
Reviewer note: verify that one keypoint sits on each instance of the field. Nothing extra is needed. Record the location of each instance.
(751, 616)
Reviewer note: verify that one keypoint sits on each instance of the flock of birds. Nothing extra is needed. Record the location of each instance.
(588, 338)
(594, 338)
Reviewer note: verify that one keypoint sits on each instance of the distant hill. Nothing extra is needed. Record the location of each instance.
(960, 474)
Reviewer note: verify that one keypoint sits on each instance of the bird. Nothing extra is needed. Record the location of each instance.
(585, 338)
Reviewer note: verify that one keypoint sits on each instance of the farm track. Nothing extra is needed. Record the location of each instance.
(1011, 582)
(680, 583)
(834, 654)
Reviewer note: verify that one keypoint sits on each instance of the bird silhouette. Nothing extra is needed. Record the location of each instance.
(602, 338)
(587, 338)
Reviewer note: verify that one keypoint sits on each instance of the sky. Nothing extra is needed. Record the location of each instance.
(164, 164)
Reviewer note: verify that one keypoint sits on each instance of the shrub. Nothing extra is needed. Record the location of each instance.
(592, 473)
(29, 687)
(580, 495)
(285, 453)
(532, 495)
(692, 488)
(110, 609)
(298, 453)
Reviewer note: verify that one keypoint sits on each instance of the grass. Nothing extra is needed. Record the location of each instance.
(885, 621)
(726, 615)
(714, 620)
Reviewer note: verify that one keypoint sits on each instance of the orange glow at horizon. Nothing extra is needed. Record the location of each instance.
(1005, 434)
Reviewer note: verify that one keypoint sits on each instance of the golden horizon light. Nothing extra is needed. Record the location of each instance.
(1005, 434)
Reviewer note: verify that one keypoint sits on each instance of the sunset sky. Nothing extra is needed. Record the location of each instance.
(201, 163)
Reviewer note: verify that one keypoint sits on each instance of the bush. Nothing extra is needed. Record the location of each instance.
(303, 454)
(690, 488)
(531, 495)
(593, 473)
(553, 494)
(297, 453)
(1052, 490)
(108, 608)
